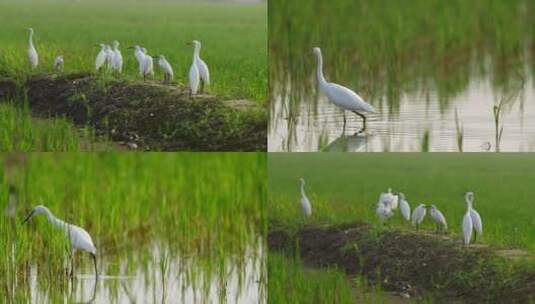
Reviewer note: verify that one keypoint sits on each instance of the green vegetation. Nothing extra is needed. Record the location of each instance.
(345, 188)
(201, 212)
(233, 36)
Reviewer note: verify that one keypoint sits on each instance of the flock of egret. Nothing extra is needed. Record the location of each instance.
(110, 58)
(78, 237)
(389, 202)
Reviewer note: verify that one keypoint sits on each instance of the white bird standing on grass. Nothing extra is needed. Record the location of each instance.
(204, 72)
(109, 56)
(439, 218)
(166, 67)
(404, 206)
(148, 64)
(58, 63)
(418, 215)
(79, 238)
(138, 53)
(305, 203)
(117, 58)
(101, 57)
(383, 211)
(341, 96)
(194, 74)
(475, 224)
(33, 58)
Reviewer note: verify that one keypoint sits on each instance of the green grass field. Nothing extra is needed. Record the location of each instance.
(206, 207)
(234, 38)
(345, 188)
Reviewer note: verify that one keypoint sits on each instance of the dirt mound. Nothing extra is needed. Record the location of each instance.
(150, 116)
(409, 262)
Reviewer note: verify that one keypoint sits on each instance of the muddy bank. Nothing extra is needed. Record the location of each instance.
(411, 263)
(149, 116)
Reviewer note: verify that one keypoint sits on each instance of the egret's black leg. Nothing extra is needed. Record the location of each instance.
(363, 122)
(95, 263)
(71, 274)
(475, 236)
(202, 87)
(344, 127)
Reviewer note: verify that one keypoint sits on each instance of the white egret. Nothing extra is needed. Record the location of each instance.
(305, 203)
(147, 65)
(79, 238)
(204, 72)
(117, 58)
(477, 224)
(467, 225)
(101, 57)
(166, 67)
(58, 63)
(194, 75)
(32, 52)
(140, 56)
(394, 199)
(389, 199)
(404, 206)
(341, 96)
(383, 212)
(109, 56)
(439, 218)
(418, 215)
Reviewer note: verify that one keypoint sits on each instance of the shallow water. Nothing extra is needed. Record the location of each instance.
(318, 125)
(181, 280)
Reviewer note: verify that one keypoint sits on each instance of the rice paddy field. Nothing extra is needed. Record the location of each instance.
(233, 36)
(181, 227)
(344, 188)
(433, 70)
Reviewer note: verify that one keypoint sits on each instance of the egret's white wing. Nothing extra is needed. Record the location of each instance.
(467, 228)
(305, 204)
(476, 221)
(439, 217)
(33, 57)
(194, 78)
(204, 73)
(80, 239)
(405, 209)
(347, 99)
(100, 60)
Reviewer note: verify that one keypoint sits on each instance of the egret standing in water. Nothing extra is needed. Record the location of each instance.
(305, 203)
(439, 218)
(166, 67)
(418, 215)
(341, 96)
(117, 58)
(33, 58)
(475, 219)
(404, 206)
(79, 238)
(58, 63)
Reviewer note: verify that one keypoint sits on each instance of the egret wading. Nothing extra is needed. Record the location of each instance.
(439, 218)
(404, 206)
(78, 237)
(166, 67)
(58, 63)
(33, 58)
(418, 215)
(341, 96)
(305, 203)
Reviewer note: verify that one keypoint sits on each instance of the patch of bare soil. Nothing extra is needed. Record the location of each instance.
(412, 263)
(148, 115)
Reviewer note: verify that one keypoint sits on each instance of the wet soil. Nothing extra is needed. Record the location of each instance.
(411, 263)
(145, 115)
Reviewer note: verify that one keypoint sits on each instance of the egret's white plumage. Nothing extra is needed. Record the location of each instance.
(404, 206)
(117, 58)
(204, 72)
(33, 58)
(339, 95)
(418, 215)
(467, 227)
(79, 238)
(58, 63)
(305, 203)
(383, 212)
(194, 78)
(389, 199)
(140, 56)
(166, 67)
(438, 217)
(109, 56)
(101, 57)
(477, 223)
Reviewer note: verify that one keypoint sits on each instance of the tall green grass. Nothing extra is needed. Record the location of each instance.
(345, 188)
(206, 207)
(233, 35)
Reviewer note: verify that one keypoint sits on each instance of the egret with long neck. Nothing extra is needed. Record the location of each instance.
(477, 223)
(341, 96)
(32, 52)
(78, 237)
